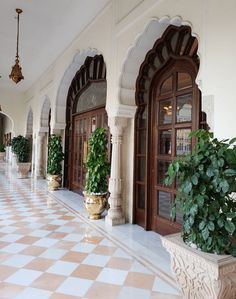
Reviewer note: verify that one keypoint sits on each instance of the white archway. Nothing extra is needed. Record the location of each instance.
(78, 61)
(136, 55)
(29, 125)
(44, 117)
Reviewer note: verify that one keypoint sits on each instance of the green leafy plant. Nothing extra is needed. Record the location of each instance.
(2, 148)
(97, 164)
(21, 147)
(205, 181)
(55, 155)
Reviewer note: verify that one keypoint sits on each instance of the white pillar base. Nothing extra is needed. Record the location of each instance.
(114, 221)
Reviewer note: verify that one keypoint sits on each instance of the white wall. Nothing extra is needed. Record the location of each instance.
(13, 105)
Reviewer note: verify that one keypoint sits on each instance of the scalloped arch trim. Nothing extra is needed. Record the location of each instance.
(136, 55)
(45, 113)
(68, 76)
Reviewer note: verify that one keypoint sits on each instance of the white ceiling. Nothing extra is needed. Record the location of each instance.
(47, 27)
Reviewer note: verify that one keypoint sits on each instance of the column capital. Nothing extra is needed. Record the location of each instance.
(117, 124)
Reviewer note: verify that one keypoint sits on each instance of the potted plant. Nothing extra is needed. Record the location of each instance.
(205, 179)
(55, 157)
(98, 168)
(21, 147)
(2, 152)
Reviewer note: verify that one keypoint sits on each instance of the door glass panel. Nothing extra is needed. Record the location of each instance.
(167, 86)
(141, 169)
(94, 96)
(93, 123)
(184, 108)
(142, 142)
(141, 197)
(183, 142)
(184, 81)
(164, 204)
(162, 167)
(165, 142)
(165, 112)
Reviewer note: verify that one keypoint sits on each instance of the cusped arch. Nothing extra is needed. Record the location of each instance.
(11, 119)
(44, 117)
(29, 125)
(136, 55)
(66, 80)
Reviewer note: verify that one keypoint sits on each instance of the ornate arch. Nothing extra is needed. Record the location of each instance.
(93, 70)
(78, 61)
(176, 42)
(29, 125)
(44, 117)
(136, 55)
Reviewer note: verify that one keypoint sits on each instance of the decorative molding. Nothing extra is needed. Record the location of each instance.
(65, 82)
(137, 52)
(199, 274)
(126, 111)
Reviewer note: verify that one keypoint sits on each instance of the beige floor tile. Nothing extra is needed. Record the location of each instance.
(101, 290)
(9, 291)
(40, 264)
(48, 281)
(119, 263)
(67, 245)
(92, 239)
(6, 271)
(104, 250)
(61, 296)
(74, 257)
(139, 280)
(28, 240)
(50, 227)
(57, 235)
(33, 250)
(87, 272)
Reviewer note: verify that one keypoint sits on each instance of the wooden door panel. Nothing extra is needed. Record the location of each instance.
(83, 125)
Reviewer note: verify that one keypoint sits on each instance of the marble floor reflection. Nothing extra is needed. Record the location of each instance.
(49, 249)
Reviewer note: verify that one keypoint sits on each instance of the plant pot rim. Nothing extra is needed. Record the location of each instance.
(177, 240)
(94, 193)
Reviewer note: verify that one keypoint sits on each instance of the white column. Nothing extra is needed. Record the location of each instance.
(115, 214)
(39, 158)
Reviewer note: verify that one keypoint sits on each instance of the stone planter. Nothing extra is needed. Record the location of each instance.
(95, 204)
(2, 156)
(54, 182)
(23, 170)
(201, 275)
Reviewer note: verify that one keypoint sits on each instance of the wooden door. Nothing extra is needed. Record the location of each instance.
(83, 125)
(174, 114)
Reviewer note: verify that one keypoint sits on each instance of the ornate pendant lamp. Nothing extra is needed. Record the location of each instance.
(16, 74)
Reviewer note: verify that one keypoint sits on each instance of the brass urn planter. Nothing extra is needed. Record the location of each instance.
(54, 182)
(95, 204)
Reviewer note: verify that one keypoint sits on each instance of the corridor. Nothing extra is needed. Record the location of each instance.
(49, 251)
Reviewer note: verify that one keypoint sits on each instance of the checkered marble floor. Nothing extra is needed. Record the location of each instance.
(47, 251)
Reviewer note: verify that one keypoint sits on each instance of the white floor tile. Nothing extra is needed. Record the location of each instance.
(133, 293)
(46, 242)
(75, 286)
(112, 276)
(83, 247)
(40, 233)
(53, 253)
(23, 277)
(32, 293)
(62, 268)
(162, 287)
(96, 260)
(18, 260)
(14, 248)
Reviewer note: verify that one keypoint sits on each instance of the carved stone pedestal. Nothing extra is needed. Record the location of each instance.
(23, 170)
(201, 275)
